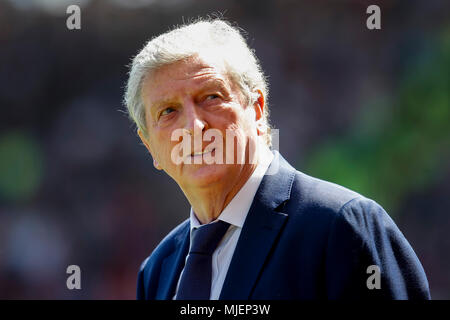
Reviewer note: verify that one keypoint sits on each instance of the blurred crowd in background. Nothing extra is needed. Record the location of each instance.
(368, 109)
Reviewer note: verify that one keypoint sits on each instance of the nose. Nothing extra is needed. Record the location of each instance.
(194, 120)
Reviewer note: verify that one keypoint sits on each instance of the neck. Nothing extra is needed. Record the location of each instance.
(209, 202)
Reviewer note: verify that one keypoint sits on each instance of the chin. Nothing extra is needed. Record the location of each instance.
(207, 174)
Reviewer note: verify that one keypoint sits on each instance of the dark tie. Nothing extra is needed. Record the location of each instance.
(195, 283)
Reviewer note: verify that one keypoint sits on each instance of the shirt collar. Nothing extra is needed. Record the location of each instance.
(236, 211)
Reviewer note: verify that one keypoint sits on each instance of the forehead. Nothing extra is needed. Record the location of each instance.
(183, 77)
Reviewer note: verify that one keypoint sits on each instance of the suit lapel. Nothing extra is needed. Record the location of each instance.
(172, 266)
(261, 228)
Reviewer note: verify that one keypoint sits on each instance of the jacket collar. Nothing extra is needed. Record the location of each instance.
(263, 224)
(173, 264)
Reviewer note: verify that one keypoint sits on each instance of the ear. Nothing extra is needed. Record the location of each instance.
(147, 145)
(259, 106)
(156, 164)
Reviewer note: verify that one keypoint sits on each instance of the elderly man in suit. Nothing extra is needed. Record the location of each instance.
(258, 228)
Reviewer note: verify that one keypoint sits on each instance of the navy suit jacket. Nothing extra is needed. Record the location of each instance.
(303, 238)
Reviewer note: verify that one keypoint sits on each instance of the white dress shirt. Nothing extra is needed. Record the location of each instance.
(234, 213)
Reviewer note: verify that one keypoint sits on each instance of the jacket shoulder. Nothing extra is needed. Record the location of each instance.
(339, 205)
(346, 205)
(312, 192)
(167, 245)
(323, 205)
(357, 233)
(150, 270)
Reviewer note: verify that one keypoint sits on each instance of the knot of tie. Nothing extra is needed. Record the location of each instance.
(206, 238)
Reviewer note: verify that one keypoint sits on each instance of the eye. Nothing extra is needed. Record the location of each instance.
(212, 97)
(166, 111)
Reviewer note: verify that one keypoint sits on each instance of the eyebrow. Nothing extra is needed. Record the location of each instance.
(205, 86)
(214, 82)
(157, 105)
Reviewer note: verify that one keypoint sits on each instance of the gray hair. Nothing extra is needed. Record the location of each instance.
(212, 35)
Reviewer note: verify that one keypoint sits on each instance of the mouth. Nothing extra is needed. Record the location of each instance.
(206, 151)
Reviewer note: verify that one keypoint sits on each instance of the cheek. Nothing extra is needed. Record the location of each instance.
(161, 146)
(232, 117)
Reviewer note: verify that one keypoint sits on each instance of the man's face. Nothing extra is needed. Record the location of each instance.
(196, 95)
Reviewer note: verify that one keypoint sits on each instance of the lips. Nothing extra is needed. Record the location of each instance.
(206, 151)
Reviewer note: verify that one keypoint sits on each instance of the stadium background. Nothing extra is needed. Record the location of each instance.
(365, 109)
